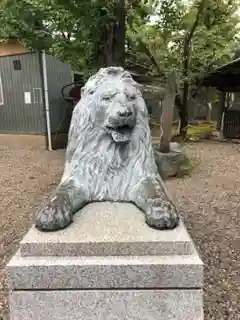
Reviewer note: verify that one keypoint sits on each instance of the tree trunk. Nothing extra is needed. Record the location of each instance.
(119, 35)
(186, 58)
(168, 112)
(112, 42)
(105, 47)
(183, 111)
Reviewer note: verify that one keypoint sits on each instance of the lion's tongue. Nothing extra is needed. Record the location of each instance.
(121, 136)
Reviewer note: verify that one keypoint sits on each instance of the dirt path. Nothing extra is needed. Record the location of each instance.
(27, 172)
(209, 201)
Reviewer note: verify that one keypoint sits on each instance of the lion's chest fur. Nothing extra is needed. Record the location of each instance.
(107, 172)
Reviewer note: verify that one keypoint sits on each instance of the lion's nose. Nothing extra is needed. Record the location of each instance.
(126, 113)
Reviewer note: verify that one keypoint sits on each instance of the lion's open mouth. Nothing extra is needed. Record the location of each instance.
(120, 133)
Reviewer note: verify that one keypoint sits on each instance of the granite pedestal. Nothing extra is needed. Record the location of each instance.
(108, 265)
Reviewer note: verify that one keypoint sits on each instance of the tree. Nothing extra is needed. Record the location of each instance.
(187, 44)
(119, 49)
(111, 40)
(80, 32)
(58, 26)
(189, 38)
(167, 112)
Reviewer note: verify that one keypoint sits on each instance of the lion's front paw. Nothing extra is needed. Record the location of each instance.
(56, 214)
(162, 215)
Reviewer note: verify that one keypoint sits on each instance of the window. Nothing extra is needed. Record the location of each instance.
(17, 65)
(1, 92)
(37, 95)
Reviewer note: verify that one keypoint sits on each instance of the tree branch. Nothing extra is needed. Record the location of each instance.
(195, 24)
(140, 64)
(151, 56)
(189, 36)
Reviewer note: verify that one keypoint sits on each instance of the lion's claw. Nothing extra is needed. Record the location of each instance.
(55, 214)
(162, 217)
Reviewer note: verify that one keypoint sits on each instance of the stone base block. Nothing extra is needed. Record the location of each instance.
(107, 305)
(108, 229)
(40, 273)
(108, 265)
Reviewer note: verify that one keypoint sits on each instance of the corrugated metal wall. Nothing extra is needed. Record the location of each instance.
(22, 110)
(59, 74)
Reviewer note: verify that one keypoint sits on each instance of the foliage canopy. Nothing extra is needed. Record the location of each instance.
(155, 31)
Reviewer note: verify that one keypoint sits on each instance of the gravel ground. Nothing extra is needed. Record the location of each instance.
(208, 200)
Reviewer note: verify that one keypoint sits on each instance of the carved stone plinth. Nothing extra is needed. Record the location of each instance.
(107, 265)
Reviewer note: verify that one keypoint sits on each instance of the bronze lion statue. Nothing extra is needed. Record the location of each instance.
(109, 156)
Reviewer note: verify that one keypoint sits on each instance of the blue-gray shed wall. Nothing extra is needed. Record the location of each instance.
(17, 116)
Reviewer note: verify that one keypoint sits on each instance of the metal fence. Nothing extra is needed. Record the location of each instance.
(231, 125)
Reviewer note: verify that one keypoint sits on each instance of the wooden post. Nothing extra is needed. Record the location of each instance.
(221, 110)
(209, 114)
(167, 112)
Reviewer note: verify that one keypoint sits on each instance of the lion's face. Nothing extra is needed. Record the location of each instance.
(113, 103)
(116, 110)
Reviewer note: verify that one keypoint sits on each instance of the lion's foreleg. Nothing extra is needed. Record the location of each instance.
(151, 196)
(57, 212)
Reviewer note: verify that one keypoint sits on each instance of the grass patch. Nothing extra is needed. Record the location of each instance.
(195, 132)
(200, 131)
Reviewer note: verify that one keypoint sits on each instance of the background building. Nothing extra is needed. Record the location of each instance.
(30, 95)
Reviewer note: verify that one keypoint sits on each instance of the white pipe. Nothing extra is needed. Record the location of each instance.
(45, 84)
